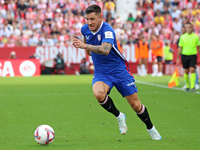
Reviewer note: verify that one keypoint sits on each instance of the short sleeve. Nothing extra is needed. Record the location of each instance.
(108, 36)
(198, 42)
(180, 44)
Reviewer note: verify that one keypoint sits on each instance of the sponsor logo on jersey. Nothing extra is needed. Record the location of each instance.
(108, 34)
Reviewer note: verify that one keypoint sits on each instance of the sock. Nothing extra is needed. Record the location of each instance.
(108, 105)
(155, 68)
(192, 80)
(186, 78)
(138, 70)
(145, 72)
(120, 115)
(151, 128)
(143, 69)
(144, 116)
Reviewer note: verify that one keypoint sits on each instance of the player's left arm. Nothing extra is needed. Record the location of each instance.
(198, 47)
(103, 49)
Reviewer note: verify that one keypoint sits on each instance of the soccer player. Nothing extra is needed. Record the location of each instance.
(188, 45)
(111, 69)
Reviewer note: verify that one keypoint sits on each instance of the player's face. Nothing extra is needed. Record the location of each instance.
(94, 21)
(189, 28)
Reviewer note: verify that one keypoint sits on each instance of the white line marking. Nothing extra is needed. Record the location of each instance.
(163, 86)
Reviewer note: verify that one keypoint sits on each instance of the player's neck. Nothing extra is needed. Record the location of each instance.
(94, 32)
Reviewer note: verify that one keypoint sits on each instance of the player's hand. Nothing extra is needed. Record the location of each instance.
(78, 43)
(177, 61)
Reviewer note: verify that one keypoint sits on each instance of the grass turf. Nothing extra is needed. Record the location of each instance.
(67, 104)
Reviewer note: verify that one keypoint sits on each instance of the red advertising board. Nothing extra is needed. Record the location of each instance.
(70, 54)
(19, 67)
(73, 56)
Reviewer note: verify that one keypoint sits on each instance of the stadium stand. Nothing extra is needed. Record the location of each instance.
(55, 22)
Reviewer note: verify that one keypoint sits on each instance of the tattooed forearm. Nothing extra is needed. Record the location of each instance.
(103, 49)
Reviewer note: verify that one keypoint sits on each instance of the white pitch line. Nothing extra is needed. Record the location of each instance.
(163, 86)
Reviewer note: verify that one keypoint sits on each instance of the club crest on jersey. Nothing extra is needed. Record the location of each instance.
(99, 37)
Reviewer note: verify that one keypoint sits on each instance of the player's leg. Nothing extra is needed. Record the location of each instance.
(192, 64)
(139, 67)
(154, 66)
(100, 90)
(160, 66)
(187, 79)
(143, 114)
(197, 80)
(192, 79)
(185, 62)
(146, 65)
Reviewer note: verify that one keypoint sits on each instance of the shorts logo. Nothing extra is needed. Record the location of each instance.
(129, 84)
(87, 37)
(99, 37)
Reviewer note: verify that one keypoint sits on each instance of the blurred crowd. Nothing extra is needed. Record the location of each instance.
(165, 18)
(57, 22)
(43, 22)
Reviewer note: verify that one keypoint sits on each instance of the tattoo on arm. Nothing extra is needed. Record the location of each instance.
(103, 49)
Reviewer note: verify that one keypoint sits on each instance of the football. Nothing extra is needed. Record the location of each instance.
(44, 135)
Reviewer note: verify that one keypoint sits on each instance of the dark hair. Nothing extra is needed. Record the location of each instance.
(189, 23)
(93, 8)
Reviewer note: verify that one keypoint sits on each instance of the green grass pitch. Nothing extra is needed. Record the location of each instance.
(67, 104)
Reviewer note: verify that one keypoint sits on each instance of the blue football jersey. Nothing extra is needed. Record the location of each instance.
(113, 62)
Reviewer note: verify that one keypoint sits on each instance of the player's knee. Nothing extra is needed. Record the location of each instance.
(136, 105)
(100, 95)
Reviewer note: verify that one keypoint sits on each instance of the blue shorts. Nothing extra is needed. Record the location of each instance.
(124, 82)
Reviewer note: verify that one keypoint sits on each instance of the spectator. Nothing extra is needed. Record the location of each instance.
(175, 12)
(109, 7)
(159, 19)
(32, 41)
(177, 25)
(167, 3)
(130, 18)
(166, 9)
(1, 43)
(21, 8)
(143, 55)
(12, 55)
(84, 67)
(109, 18)
(168, 54)
(37, 25)
(158, 5)
(10, 43)
(157, 50)
(47, 41)
(59, 64)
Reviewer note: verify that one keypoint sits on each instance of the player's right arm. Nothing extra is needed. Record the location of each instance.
(179, 54)
(87, 51)
(180, 48)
